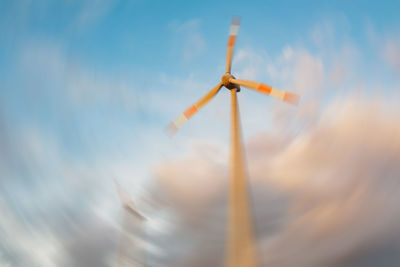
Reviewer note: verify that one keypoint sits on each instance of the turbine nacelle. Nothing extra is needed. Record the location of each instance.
(226, 82)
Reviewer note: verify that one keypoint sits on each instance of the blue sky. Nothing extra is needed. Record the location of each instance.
(122, 35)
(136, 43)
(87, 87)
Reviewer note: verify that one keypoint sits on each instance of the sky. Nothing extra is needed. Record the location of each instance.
(87, 87)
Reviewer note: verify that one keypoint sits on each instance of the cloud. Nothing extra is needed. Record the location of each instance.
(91, 12)
(340, 176)
(92, 244)
(49, 72)
(391, 53)
(193, 181)
(251, 63)
(189, 38)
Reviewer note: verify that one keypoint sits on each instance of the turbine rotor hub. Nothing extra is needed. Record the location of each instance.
(226, 82)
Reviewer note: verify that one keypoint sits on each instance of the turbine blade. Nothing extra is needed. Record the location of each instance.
(174, 126)
(130, 251)
(127, 202)
(234, 29)
(285, 96)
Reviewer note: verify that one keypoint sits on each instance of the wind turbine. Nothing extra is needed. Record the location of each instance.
(241, 249)
(130, 252)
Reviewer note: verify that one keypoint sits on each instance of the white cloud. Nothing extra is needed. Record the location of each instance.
(188, 38)
(391, 53)
(341, 176)
(91, 12)
(250, 64)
